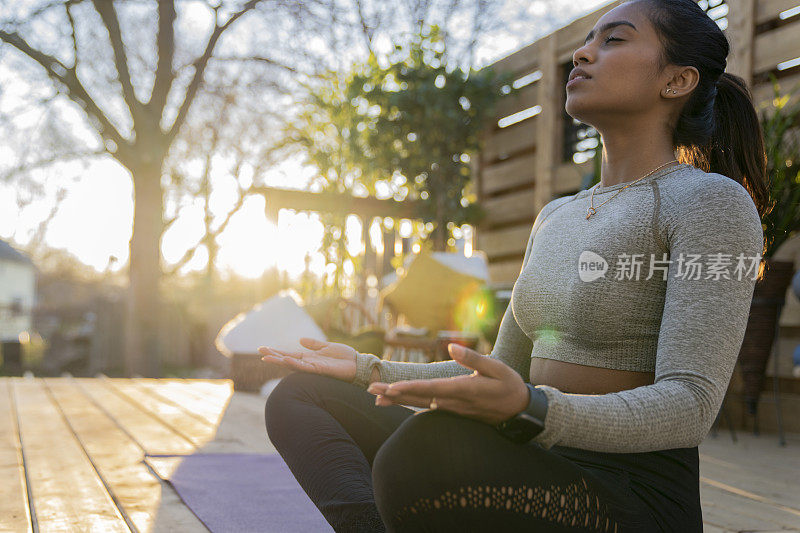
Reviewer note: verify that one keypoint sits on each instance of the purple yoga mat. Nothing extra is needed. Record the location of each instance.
(240, 492)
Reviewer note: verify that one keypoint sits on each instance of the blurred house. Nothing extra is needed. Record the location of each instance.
(17, 298)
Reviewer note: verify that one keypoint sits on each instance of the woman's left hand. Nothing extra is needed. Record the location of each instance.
(491, 394)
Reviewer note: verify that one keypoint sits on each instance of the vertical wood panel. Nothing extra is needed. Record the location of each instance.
(548, 124)
(740, 35)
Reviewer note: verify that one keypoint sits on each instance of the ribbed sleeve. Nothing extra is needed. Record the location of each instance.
(702, 328)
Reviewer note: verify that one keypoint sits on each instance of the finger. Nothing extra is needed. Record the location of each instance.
(457, 386)
(377, 387)
(477, 361)
(266, 350)
(313, 344)
(273, 359)
(299, 364)
(450, 404)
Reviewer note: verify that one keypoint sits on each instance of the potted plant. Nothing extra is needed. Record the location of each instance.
(780, 119)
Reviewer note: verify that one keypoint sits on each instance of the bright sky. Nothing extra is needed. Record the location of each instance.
(250, 245)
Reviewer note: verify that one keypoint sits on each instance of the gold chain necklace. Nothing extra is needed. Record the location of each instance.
(592, 209)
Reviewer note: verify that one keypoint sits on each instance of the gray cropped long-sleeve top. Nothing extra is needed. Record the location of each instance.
(659, 279)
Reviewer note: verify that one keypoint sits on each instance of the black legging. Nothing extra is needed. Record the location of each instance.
(372, 468)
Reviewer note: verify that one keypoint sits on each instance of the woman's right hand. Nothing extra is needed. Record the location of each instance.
(322, 357)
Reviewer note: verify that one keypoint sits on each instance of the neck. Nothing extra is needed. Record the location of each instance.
(629, 155)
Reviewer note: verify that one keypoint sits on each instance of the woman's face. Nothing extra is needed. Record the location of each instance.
(621, 55)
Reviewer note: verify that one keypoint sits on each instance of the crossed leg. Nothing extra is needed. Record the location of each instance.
(440, 471)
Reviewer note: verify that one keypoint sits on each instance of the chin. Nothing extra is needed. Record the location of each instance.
(577, 109)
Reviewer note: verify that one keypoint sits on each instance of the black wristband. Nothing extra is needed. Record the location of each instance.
(537, 406)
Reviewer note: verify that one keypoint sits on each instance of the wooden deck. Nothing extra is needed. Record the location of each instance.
(71, 454)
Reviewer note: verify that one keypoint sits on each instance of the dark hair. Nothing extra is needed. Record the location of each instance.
(718, 129)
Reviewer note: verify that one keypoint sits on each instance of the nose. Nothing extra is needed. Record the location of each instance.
(581, 55)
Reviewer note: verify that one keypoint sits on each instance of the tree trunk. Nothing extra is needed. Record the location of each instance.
(143, 347)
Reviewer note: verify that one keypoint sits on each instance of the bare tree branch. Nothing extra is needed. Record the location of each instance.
(165, 41)
(200, 66)
(68, 9)
(258, 59)
(108, 13)
(9, 174)
(367, 30)
(41, 228)
(68, 78)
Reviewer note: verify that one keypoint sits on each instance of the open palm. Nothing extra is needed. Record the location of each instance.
(322, 357)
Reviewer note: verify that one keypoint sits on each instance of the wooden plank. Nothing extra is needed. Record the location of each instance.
(550, 122)
(523, 60)
(14, 511)
(525, 98)
(505, 272)
(149, 502)
(569, 177)
(149, 432)
(203, 407)
(753, 480)
(776, 46)
(216, 388)
(741, 510)
(709, 528)
(763, 93)
(193, 429)
(67, 492)
(240, 424)
(740, 36)
(502, 143)
(505, 241)
(510, 173)
(770, 9)
(514, 207)
(760, 452)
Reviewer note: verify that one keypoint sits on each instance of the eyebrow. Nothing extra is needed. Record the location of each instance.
(608, 26)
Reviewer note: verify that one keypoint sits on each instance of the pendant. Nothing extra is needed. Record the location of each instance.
(591, 211)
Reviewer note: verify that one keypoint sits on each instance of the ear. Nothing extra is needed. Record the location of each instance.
(681, 82)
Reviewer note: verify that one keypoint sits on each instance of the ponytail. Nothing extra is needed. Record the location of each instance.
(735, 147)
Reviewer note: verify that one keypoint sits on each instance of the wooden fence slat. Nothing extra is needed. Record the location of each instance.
(521, 61)
(14, 511)
(505, 241)
(519, 206)
(149, 502)
(763, 91)
(526, 97)
(151, 433)
(776, 46)
(546, 141)
(770, 9)
(67, 492)
(511, 140)
(505, 272)
(506, 174)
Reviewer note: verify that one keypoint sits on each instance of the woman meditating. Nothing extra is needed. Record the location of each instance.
(615, 352)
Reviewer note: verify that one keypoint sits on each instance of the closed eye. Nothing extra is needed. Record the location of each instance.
(613, 39)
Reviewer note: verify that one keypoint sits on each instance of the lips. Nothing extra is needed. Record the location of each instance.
(576, 80)
(578, 72)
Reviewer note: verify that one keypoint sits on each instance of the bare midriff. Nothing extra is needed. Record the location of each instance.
(583, 379)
